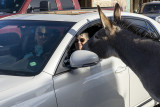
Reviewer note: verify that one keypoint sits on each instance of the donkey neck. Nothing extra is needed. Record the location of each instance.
(133, 50)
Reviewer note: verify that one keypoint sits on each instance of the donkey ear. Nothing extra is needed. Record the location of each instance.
(105, 21)
(117, 12)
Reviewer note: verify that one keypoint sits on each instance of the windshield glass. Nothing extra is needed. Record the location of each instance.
(26, 46)
(10, 6)
(151, 8)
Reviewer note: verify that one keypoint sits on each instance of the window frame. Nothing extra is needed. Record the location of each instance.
(62, 69)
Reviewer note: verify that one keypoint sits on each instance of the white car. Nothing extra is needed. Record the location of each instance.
(61, 77)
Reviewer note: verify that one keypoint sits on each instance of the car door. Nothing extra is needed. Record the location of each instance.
(100, 85)
(93, 86)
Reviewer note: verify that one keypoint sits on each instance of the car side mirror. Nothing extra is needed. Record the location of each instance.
(45, 6)
(83, 58)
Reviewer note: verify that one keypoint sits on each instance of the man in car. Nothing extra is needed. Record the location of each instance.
(41, 37)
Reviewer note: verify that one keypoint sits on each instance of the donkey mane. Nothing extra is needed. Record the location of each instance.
(137, 40)
(125, 24)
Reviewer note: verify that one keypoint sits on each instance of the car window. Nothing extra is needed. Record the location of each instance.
(26, 46)
(144, 27)
(153, 32)
(139, 23)
(35, 4)
(67, 4)
(11, 6)
(151, 8)
(91, 29)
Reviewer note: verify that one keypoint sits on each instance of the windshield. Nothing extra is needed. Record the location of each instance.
(151, 8)
(26, 46)
(10, 6)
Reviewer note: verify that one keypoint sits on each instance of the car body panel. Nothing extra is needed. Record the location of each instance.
(45, 100)
(29, 92)
(95, 86)
(137, 92)
(15, 80)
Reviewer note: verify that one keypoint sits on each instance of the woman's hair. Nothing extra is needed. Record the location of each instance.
(86, 35)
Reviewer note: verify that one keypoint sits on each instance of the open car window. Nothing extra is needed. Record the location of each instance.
(91, 29)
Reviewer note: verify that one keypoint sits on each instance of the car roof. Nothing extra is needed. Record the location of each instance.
(71, 16)
(48, 17)
(68, 16)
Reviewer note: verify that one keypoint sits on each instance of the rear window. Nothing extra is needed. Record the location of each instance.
(67, 4)
(26, 46)
(151, 8)
(35, 4)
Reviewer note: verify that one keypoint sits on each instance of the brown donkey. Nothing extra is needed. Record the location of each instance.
(141, 55)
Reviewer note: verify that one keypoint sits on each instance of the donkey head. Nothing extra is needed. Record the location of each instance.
(100, 41)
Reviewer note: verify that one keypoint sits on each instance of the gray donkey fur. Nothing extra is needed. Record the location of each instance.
(141, 55)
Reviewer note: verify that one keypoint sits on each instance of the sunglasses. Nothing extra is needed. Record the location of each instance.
(42, 34)
(81, 40)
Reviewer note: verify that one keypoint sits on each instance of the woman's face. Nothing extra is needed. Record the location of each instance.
(81, 40)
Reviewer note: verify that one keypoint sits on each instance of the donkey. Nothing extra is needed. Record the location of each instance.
(142, 55)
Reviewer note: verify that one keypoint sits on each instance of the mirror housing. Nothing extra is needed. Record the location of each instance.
(45, 6)
(83, 58)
